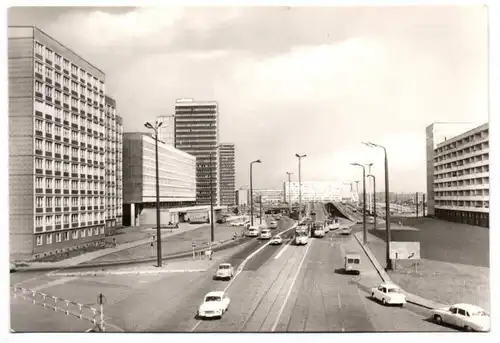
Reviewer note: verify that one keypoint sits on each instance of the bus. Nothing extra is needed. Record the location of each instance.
(301, 235)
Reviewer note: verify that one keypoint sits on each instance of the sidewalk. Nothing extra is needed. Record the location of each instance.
(431, 284)
(183, 228)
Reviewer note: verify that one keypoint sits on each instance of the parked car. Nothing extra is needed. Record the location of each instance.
(225, 271)
(273, 224)
(389, 294)
(345, 231)
(214, 305)
(465, 316)
(221, 220)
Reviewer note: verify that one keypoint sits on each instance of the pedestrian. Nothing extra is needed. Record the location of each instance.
(114, 241)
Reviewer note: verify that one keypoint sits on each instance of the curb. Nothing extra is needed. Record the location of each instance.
(129, 272)
(386, 278)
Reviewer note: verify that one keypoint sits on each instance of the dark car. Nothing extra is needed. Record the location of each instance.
(221, 220)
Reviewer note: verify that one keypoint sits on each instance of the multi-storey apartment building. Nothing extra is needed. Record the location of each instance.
(227, 174)
(57, 145)
(114, 177)
(177, 178)
(460, 169)
(269, 196)
(166, 131)
(197, 133)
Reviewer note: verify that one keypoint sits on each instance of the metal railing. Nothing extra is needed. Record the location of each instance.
(68, 307)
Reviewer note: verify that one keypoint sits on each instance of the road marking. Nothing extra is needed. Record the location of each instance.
(242, 265)
(281, 252)
(54, 283)
(340, 302)
(291, 287)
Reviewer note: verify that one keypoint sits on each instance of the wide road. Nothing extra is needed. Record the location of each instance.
(165, 302)
(302, 288)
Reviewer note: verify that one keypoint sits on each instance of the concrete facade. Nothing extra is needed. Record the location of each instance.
(197, 133)
(56, 146)
(177, 177)
(227, 174)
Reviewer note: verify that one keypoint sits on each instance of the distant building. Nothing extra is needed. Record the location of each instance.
(458, 173)
(269, 196)
(242, 197)
(227, 174)
(320, 191)
(177, 178)
(197, 133)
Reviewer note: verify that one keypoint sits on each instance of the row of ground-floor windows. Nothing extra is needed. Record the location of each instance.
(46, 238)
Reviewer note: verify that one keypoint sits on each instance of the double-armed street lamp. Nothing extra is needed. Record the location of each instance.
(364, 201)
(289, 193)
(300, 185)
(387, 205)
(155, 128)
(374, 202)
(212, 231)
(251, 190)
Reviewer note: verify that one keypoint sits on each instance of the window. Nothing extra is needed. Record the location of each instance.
(48, 164)
(82, 73)
(39, 240)
(48, 183)
(58, 78)
(58, 204)
(38, 163)
(102, 230)
(66, 236)
(38, 67)
(89, 232)
(39, 182)
(48, 146)
(74, 202)
(57, 131)
(38, 144)
(74, 218)
(48, 221)
(49, 54)
(66, 116)
(82, 233)
(57, 111)
(66, 99)
(39, 48)
(66, 82)
(49, 73)
(57, 164)
(65, 186)
(58, 186)
(74, 102)
(48, 128)
(74, 86)
(38, 125)
(66, 64)
(48, 238)
(39, 203)
(74, 69)
(48, 91)
(58, 237)
(48, 202)
(58, 95)
(66, 216)
(38, 87)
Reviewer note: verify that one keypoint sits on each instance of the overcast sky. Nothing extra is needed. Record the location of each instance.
(316, 81)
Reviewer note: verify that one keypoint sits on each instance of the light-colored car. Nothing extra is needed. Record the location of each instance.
(276, 240)
(252, 231)
(465, 316)
(345, 231)
(389, 294)
(235, 223)
(214, 305)
(319, 232)
(265, 234)
(225, 271)
(273, 224)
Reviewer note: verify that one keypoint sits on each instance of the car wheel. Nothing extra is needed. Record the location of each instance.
(438, 319)
(467, 328)
(384, 302)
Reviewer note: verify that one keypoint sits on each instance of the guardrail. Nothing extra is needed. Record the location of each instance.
(68, 307)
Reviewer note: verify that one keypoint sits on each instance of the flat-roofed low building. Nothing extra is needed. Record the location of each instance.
(177, 178)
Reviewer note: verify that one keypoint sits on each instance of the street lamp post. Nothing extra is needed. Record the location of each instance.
(364, 201)
(369, 165)
(251, 191)
(374, 202)
(212, 234)
(300, 185)
(289, 194)
(158, 230)
(387, 208)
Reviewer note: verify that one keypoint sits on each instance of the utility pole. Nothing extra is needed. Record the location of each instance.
(368, 193)
(289, 193)
(416, 204)
(300, 185)
(365, 234)
(260, 198)
(423, 204)
(212, 234)
(251, 190)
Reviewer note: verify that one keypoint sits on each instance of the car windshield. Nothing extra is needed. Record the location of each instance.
(212, 298)
(224, 267)
(393, 290)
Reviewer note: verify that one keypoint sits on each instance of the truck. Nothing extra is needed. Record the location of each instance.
(197, 217)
